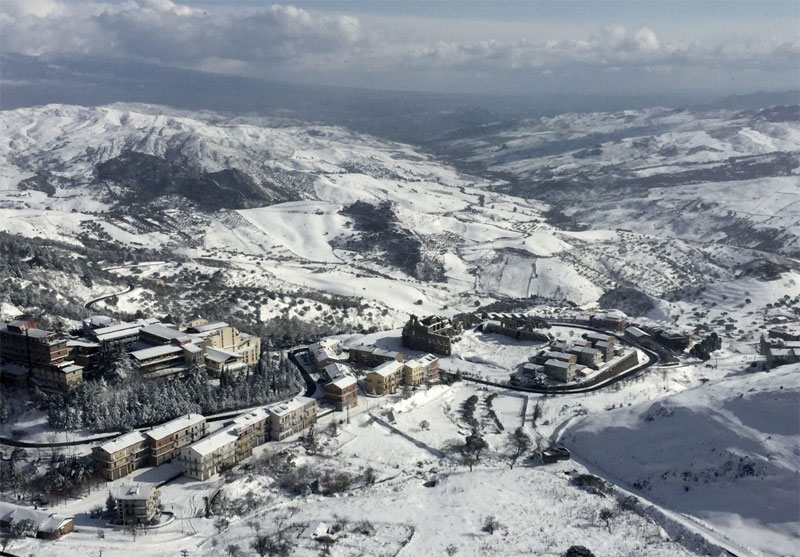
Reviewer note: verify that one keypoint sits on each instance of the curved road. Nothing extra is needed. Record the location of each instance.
(587, 387)
(90, 303)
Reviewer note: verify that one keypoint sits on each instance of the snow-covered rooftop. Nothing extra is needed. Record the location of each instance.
(155, 351)
(174, 426)
(123, 442)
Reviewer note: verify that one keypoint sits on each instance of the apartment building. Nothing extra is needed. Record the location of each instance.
(419, 370)
(22, 342)
(342, 392)
(222, 336)
(137, 503)
(218, 361)
(290, 417)
(252, 430)
(63, 376)
(384, 379)
(372, 356)
(166, 441)
(121, 456)
(226, 447)
(210, 455)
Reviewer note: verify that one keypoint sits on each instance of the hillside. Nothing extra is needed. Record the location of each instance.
(724, 452)
(271, 201)
(726, 176)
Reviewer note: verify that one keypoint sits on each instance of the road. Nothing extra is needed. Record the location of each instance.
(90, 303)
(588, 386)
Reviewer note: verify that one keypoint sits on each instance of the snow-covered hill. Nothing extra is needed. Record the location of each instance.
(721, 176)
(66, 173)
(725, 452)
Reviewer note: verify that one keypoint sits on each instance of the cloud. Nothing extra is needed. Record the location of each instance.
(170, 33)
(253, 42)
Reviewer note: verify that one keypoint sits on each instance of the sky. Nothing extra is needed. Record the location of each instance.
(472, 46)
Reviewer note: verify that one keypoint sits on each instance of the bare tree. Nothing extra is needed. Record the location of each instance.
(606, 515)
(519, 443)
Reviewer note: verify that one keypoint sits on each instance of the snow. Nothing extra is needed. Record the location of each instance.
(725, 452)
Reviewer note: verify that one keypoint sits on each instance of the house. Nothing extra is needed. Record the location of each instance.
(325, 352)
(219, 360)
(290, 417)
(166, 441)
(385, 378)
(137, 503)
(560, 370)
(14, 375)
(784, 333)
(335, 370)
(431, 334)
(532, 370)
(158, 334)
(342, 392)
(49, 526)
(121, 456)
(168, 356)
(591, 357)
(371, 356)
(635, 334)
(542, 357)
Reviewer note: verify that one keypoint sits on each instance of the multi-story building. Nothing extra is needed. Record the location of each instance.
(226, 447)
(586, 356)
(219, 361)
(342, 392)
(137, 503)
(431, 334)
(252, 430)
(22, 342)
(210, 455)
(325, 352)
(121, 456)
(166, 441)
(123, 334)
(166, 357)
(290, 417)
(385, 378)
(611, 320)
(63, 376)
(371, 356)
(418, 370)
(222, 336)
(560, 370)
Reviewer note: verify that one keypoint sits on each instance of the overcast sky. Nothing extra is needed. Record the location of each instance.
(436, 45)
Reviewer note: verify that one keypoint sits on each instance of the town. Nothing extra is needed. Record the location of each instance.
(563, 354)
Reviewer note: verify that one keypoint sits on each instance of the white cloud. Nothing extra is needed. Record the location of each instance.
(280, 36)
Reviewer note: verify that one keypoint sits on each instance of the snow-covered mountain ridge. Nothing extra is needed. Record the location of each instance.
(480, 242)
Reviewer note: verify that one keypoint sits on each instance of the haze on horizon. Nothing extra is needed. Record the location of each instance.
(504, 47)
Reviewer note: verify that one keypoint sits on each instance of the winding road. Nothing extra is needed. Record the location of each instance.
(90, 303)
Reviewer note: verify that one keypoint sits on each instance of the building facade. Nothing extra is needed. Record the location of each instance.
(290, 417)
(431, 334)
(166, 441)
(121, 456)
(137, 503)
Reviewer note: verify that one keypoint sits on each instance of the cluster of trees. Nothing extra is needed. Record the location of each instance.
(42, 480)
(132, 402)
(704, 348)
